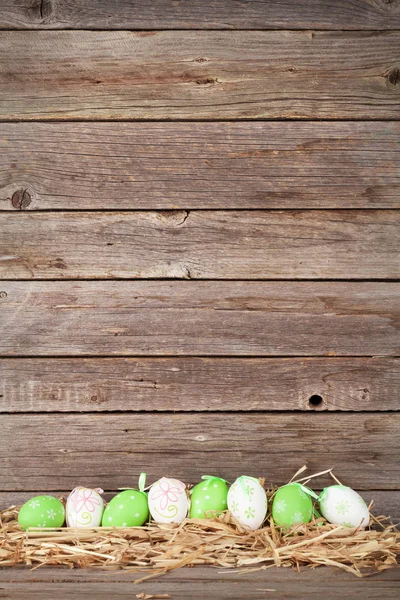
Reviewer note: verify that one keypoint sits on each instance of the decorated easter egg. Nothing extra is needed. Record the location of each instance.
(291, 505)
(208, 498)
(247, 501)
(343, 506)
(168, 502)
(42, 511)
(127, 509)
(84, 507)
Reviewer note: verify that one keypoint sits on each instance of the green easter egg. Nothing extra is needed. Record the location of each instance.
(129, 508)
(209, 498)
(291, 505)
(42, 511)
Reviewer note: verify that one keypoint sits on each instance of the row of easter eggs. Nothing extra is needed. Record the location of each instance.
(168, 502)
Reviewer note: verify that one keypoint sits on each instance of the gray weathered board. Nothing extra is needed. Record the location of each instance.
(199, 14)
(199, 74)
(153, 165)
(202, 245)
(253, 147)
(200, 318)
(198, 384)
(197, 584)
(112, 449)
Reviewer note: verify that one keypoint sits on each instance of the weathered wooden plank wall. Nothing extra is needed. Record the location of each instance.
(264, 159)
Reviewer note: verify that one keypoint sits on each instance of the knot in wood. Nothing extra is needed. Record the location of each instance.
(393, 77)
(21, 199)
(206, 80)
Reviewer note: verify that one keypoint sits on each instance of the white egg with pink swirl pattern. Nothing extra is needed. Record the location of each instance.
(84, 507)
(168, 501)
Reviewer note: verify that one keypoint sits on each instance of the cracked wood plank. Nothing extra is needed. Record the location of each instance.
(199, 318)
(201, 245)
(198, 384)
(112, 449)
(187, 165)
(199, 14)
(199, 75)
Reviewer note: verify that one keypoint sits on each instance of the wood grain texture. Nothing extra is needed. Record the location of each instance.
(203, 582)
(199, 318)
(198, 384)
(201, 245)
(57, 452)
(161, 165)
(199, 75)
(200, 14)
(385, 503)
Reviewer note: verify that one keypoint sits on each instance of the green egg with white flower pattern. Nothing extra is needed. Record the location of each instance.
(129, 508)
(209, 498)
(42, 511)
(291, 505)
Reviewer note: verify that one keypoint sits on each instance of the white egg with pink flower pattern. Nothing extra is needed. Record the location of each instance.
(168, 501)
(84, 507)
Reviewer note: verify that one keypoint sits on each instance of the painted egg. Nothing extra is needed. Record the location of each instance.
(127, 509)
(208, 498)
(84, 507)
(247, 501)
(168, 502)
(42, 511)
(291, 505)
(343, 506)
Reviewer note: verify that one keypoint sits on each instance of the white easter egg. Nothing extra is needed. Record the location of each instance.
(247, 501)
(84, 508)
(341, 505)
(168, 502)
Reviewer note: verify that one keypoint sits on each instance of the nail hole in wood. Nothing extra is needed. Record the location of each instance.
(315, 401)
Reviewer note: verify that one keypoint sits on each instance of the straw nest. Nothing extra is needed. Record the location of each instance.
(154, 549)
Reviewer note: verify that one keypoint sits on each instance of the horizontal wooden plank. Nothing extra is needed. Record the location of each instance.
(386, 502)
(110, 450)
(48, 583)
(201, 245)
(199, 14)
(162, 165)
(199, 318)
(199, 75)
(198, 384)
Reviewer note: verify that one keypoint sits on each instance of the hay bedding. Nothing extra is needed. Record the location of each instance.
(154, 549)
